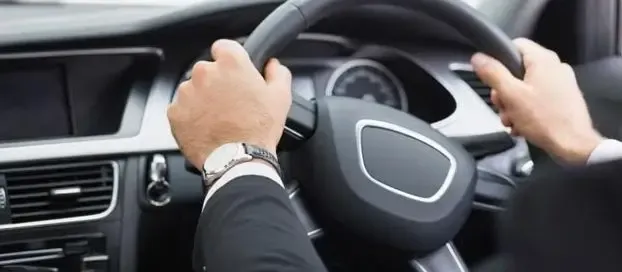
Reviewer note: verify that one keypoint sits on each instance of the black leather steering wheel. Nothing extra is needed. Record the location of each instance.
(374, 171)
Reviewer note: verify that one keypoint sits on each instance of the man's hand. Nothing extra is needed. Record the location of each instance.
(229, 101)
(547, 107)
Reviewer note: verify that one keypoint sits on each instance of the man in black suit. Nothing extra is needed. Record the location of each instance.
(228, 119)
(568, 220)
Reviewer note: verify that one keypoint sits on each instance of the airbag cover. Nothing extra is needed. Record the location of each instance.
(386, 175)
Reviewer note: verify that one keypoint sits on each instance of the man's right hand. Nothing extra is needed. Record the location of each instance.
(547, 107)
(228, 101)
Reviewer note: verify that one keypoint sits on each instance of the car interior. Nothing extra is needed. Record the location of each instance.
(91, 178)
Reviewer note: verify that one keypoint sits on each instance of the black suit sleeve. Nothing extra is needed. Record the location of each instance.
(249, 225)
(567, 221)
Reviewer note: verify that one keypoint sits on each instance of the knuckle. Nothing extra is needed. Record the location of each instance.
(567, 68)
(200, 69)
(552, 55)
(184, 88)
(286, 73)
(171, 112)
(521, 41)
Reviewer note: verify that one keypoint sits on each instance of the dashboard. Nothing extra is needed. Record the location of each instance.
(91, 176)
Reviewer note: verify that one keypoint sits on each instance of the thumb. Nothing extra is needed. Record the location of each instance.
(496, 75)
(278, 77)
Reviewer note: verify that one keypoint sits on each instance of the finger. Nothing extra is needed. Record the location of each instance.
(534, 53)
(494, 98)
(568, 69)
(183, 92)
(278, 76)
(201, 73)
(495, 75)
(230, 52)
(505, 119)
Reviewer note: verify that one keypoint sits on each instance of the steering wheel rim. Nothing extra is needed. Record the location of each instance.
(291, 18)
(298, 15)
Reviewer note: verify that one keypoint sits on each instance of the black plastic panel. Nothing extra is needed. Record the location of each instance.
(430, 165)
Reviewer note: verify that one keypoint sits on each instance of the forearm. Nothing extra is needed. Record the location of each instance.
(249, 225)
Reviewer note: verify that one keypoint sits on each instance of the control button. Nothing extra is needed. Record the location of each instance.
(158, 190)
(158, 193)
(523, 167)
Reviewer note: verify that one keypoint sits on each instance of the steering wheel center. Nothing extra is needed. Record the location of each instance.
(386, 175)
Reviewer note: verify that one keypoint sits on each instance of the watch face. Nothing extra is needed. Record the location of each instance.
(222, 157)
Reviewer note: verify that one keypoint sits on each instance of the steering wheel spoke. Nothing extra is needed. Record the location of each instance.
(309, 224)
(445, 259)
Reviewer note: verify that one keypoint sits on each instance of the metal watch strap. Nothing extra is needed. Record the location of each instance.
(265, 155)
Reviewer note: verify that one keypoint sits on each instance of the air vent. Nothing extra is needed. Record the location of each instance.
(478, 86)
(60, 194)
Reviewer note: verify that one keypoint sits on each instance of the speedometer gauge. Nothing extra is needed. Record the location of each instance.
(370, 81)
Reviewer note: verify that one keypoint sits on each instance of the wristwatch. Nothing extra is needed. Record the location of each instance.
(229, 155)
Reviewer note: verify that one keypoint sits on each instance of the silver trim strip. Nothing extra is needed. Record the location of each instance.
(32, 259)
(294, 133)
(351, 64)
(31, 252)
(95, 258)
(486, 207)
(459, 66)
(456, 257)
(315, 232)
(440, 254)
(66, 191)
(83, 52)
(77, 219)
(404, 131)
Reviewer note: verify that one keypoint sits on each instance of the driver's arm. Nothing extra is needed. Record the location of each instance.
(547, 106)
(568, 220)
(248, 223)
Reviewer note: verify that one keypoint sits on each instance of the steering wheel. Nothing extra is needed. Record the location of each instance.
(372, 170)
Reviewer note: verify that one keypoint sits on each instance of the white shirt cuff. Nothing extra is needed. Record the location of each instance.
(607, 150)
(251, 168)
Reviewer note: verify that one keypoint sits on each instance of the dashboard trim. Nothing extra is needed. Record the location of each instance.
(77, 219)
(84, 52)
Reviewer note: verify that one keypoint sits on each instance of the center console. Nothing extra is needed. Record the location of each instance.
(66, 213)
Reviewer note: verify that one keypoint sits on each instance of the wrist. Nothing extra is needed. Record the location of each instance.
(577, 148)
